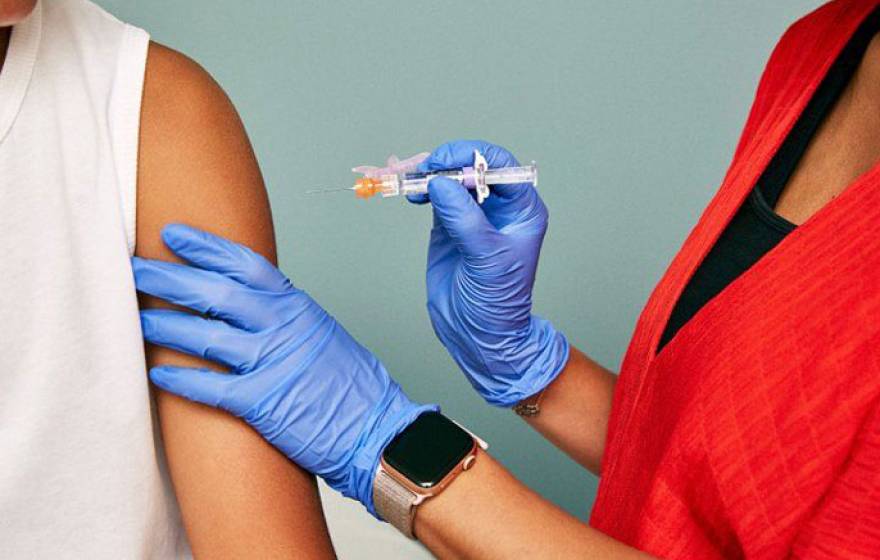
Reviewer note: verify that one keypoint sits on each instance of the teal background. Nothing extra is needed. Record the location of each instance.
(631, 109)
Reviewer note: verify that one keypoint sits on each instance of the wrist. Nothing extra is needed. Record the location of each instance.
(391, 416)
(419, 464)
(540, 359)
(469, 494)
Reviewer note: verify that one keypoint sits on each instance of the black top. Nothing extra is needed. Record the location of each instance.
(756, 228)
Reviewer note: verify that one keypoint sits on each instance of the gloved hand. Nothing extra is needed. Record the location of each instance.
(296, 375)
(481, 269)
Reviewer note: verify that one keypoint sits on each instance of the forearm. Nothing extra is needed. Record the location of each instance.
(575, 409)
(486, 513)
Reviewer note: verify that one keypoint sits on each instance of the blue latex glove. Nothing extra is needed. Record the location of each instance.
(481, 269)
(296, 375)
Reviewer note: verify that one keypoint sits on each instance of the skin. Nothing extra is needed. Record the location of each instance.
(845, 146)
(514, 521)
(13, 11)
(575, 409)
(196, 166)
(487, 514)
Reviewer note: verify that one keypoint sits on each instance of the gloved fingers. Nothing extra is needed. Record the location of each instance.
(450, 155)
(201, 385)
(460, 153)
(210, 339)
(211, 252)
(460, 216)
(207, 292)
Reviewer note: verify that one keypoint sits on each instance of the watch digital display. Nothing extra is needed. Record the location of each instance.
(428, 449)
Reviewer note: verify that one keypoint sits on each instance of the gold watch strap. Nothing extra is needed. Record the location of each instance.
(394, 502)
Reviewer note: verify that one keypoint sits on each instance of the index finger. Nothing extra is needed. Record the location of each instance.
(460, 153)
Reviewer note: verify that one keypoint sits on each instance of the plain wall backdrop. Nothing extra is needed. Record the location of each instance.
(631, 109)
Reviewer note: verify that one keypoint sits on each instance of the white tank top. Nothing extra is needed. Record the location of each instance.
(81, 473)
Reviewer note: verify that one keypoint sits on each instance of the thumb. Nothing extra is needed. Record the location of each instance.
(460, 215)
(201, 385)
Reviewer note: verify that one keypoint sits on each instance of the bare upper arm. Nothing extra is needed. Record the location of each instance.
(239, 497)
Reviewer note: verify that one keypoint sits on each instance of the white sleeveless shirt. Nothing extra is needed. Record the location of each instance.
(81, 472)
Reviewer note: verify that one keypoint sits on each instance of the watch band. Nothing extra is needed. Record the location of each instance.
(394, 502)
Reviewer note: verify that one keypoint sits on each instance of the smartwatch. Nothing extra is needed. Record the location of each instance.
(419, 463)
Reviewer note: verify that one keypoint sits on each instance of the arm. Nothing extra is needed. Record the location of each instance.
(575, 410)
(488, 514)
(482, 262)
(196, 166)
(288, 353)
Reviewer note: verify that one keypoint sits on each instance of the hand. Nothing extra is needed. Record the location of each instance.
(481, 269)
(296, 375)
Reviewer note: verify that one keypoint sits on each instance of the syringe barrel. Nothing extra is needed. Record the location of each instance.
(512, 175)
(417, 183)
(414, 185)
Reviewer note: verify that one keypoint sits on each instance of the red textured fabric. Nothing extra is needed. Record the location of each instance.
(755, 433)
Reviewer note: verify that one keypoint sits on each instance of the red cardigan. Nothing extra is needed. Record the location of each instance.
(755, 433)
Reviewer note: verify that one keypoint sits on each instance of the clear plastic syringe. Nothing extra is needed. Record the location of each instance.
(477, 177)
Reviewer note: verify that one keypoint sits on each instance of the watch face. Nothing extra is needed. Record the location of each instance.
(428, 449)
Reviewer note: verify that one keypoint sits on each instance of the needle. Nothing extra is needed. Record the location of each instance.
(323, 191)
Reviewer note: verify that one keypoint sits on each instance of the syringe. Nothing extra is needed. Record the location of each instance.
(477, 177)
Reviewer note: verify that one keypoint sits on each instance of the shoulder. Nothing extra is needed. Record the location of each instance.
(179, 94)
(828, 14)
(195, 162)
(796, 60)
(822, 26)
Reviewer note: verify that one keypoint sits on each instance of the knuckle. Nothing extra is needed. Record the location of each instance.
(446, 152)
(498, 156)
(253, 353)
(226, 395)
(218, 294)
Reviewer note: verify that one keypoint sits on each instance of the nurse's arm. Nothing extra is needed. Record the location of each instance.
(196, 166)
(486, 513)
(575, 409)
